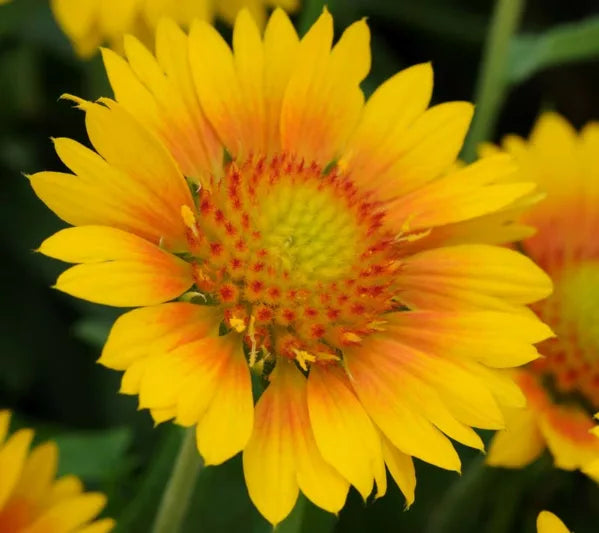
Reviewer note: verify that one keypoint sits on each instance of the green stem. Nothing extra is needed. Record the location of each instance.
(180, 486)
(492, 82)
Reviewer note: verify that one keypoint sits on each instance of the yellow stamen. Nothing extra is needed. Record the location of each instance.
(303, 358)
(413, 236)
(348, 336)
(325, 356)
(252, 336)
(238, 324)
(377, 325)
(189, 219)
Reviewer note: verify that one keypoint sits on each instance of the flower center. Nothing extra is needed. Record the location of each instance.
(573, 313)
(308, 232)
(298, 258)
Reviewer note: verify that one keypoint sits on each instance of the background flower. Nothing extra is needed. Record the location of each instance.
(562, 387)
(32, 500)
(91, 23)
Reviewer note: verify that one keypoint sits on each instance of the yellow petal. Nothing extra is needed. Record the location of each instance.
(520, 443)
(380, 394)
(549, 523)
(101, 526)
(117, 16)
(156, 329)
(118, 268)
(317, 479)
(75, 18)
(470, 276)
(567, 431)
(4, 424)
(197, 147)
(500, 383)
(218, 88)
(470, 192)
(12, 461)
(428, 148)
(128, 90)
(249, 66)
(323, 100)
(495, 339)
(227, 424)
(69, 514)
(65, 488)
(388, 113)
(401, 467)
(120, 140)
(282, 454)
(39, 472)
(268, 458)
(344, 433)
(280, 48)
(100, 194)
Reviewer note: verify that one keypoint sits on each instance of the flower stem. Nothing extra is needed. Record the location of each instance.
(180, 486)
(492, 83)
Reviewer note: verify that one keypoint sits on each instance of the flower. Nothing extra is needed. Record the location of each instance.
(90, 23)
(563, 387)
(549, 523)
(31, 500)
(327, 244)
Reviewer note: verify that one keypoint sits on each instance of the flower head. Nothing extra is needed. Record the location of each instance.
(328, 245)
(91, 23)
(563, 386)
(31, 500)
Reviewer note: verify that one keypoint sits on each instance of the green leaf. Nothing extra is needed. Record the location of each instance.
(564, 44)
(94, 456)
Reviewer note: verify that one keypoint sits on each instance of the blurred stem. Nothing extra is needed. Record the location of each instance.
(180, 486)
(460, 499)
(492, 81)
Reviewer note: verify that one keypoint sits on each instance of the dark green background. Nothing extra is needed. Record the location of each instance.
(49, 342)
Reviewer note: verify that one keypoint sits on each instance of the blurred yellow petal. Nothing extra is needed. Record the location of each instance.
(69, 514)
(549, 523)
(13, 455)
(520, 443)
(4, 424)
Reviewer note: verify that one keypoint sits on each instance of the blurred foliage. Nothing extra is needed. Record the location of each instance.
(570, 42)
(49, 342)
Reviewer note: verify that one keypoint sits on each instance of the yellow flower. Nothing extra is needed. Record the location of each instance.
(563, 387)
(31, 500)
(549, 523)
(326, 243)
(91, 23)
